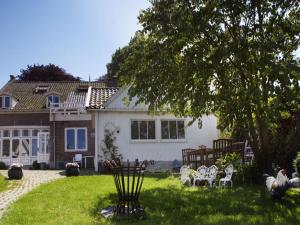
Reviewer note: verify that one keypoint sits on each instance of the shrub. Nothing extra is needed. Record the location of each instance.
(229, 158)
(36, 165)
(72, 169)
(3, 166)
(15, 171)
(296, 163)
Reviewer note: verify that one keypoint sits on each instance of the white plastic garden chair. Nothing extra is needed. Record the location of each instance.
(200, 174)
(185, 175)
(227, 178)
(211, 175)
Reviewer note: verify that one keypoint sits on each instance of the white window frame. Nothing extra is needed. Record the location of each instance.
(3, 97)
(170, 139)
(49, 104)
(143, 140)
(76, 144)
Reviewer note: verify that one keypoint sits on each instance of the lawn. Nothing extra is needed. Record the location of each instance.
(78, 200)
(3, 183)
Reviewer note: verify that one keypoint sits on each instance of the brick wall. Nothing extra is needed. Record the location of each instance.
(61, 156)
(30, 119)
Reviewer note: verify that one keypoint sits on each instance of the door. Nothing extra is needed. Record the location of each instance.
(43, 147)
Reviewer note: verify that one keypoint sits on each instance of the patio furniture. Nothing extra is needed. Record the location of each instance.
(227, 178)
(211, 175)
(200, 174)
(185, 175)
(78, 159)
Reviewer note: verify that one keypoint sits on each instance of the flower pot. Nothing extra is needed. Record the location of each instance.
(72, 171)
(15, 173)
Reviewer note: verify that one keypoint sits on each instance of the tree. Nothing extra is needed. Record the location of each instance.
(233, 58)
(48, 72)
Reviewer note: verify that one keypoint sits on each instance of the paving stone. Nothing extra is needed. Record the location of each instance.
(30, 180)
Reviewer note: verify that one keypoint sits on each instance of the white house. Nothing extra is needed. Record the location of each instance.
(140, 135)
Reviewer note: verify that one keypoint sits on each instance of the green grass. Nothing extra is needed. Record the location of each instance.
(78, 200)
(3, 183)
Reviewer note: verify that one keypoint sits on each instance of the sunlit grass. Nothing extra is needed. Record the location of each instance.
(78, 200)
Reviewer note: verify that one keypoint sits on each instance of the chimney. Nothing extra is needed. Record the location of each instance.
(12, 77)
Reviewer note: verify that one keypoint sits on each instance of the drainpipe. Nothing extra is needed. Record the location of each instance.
(54, 127)
(96, 142)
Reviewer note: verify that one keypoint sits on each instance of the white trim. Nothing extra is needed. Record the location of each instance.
(24, 127)
(88, 97)
(51, 103)
(75, 137)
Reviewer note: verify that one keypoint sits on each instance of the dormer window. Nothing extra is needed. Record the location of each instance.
(41, 89)
(53, 101)
(5, 102)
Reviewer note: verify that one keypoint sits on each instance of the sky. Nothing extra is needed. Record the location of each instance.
(78, 35)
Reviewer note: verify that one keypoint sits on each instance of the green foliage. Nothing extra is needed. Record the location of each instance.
(110, 150)
(36, 165)
(235, 59)
(296, 163)
(3, 166)
(48, 72)
(229, 158)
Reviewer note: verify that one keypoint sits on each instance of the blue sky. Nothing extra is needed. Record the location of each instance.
(78, 35)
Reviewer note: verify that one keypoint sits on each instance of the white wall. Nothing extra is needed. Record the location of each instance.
(160, 150)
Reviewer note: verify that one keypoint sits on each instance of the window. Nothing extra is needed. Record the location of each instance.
(172, 129)
(34, 146)
(5, 102)
(76, 139)
(142, 129)
(53, 100)
(5, 148)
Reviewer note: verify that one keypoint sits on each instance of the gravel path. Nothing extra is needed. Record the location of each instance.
(30, 180)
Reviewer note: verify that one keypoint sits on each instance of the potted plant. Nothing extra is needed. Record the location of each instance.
(72, 169)
(15, 171)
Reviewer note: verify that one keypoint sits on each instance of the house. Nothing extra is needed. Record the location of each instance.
(47, 122)
(140, 135)
(50, 122)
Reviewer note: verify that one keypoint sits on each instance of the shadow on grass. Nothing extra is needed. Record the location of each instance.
(239, 206)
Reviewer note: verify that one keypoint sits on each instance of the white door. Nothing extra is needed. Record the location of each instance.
(43, 155)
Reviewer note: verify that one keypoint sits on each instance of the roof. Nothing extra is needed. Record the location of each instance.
(99, 97)
(29, 100)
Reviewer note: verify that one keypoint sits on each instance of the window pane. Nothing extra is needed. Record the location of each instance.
(25, 133)
(7, 102)
(35, 133)
(164, 130)
(81, 142)
(1, 100)
(6, 133)
(134, 130)
(71, 139)
(34, 147)
(143, 129)
(56, 99)
(15, 148)
(15, 133)
(49, 100)
(180, 127)
(151, 129)
(24, 150)
(173, 131)
(5, 148)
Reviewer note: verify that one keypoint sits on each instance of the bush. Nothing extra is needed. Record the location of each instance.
(3, 166)
(72, 169)
(15, 171)
(229, 158)
(36, 165)
(296, 163)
